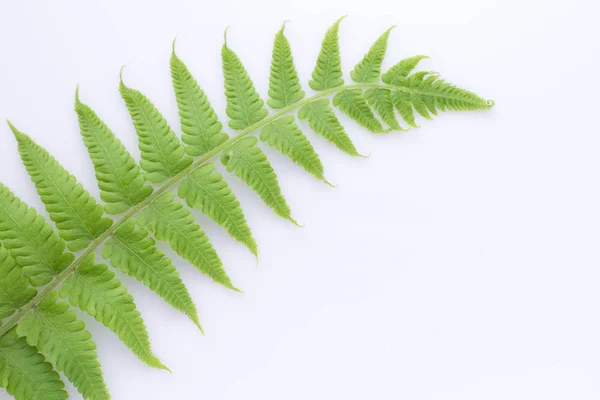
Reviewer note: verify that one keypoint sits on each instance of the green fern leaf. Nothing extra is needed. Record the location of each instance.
(401, 101)
(77, 216)
(323, 121)
(369, 68)
(328, 71)
(163, 155)
(207, 191)
(170, 221)
(284, 135)
(398, 73)
(24, 372)
(94, 289)
(353, 104)
(119, 179)
(251, 165)
(134, 252)
(380, 100)
(15, 291)
(284, 85)
(60, 336)
(35, 326)
(31, 240)
(244, 106)
(200, 125)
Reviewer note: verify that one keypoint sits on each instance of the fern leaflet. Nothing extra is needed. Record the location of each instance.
(398, 73)
(250, 163)
(284, 85)
(15, 291)
(78, 217)
(162, 154)
(95, 290)
(323, 121)
(200, 125)
(328, 71)
(169, 220)
(31, 240)
(206, 190)
(284, 135)
(367, 70)
(60, 336)
(132, 251)
(353, 104)
(244, 106)
(119, 178)
(24, 372)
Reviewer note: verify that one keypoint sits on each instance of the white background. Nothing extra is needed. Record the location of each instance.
(460, 261)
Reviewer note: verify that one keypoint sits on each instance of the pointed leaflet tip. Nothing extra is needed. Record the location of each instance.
(225, 36)
(390, 29)
(236, 289)
(283, 25)
(12, 127)
(337, 23)
(121, 75)
(293, 221)
(329, 183)
(20, 136)
(173, 46)
(253, 249)
(77, 95)
(156, 363)
(194, 318)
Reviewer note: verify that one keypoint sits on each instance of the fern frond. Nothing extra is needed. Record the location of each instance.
(24, 372)
(206, 190)
(328, 71)
(398, 73)
(284, 85)
(284, 135)
(35, 267)
(354, 105)
(251, 165)
(78, 217)
(163, 154)
(95, 289)
(244, 105)
(134, 252)
(380, 100)
(31, 240)
(323, 121)
(200, 125)
(59, 335)
(15, 291)
(368, 69)
(170, 221)
(119, 179)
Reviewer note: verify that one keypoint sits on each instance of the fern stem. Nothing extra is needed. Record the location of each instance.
(58, 279)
